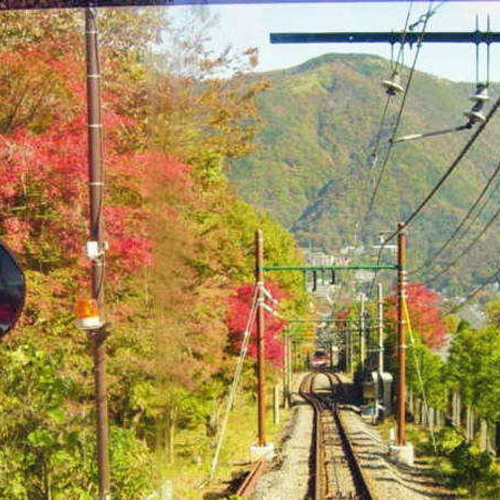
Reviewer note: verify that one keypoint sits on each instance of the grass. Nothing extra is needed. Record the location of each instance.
(194, 453)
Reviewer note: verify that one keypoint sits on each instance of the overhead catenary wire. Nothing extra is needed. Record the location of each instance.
(395, 64)
(448, 172)
(371, 203)
(398, 117)
(469, 213)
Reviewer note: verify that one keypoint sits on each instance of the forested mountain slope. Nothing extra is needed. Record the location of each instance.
(311, 167)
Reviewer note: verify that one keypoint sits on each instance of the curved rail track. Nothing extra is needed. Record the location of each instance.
(337, 472)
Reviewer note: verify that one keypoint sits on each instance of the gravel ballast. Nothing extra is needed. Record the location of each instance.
(289, 476)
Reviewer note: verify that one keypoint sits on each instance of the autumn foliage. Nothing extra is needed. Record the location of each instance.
(179, 249)
(425, 316)
(239, 308)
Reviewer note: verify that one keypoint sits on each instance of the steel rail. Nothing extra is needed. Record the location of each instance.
(305, 390)
(362, 485)
(362, 481)
(247, 488)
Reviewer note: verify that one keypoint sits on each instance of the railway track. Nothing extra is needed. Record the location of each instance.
(337, 473)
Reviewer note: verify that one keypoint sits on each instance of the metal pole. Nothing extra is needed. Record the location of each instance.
(259, 275)
(362, 340)
(331, 356)
(401, 415)
(351, 352)
(380, 329)
(96, 188)
(290, 367)
(285, 370)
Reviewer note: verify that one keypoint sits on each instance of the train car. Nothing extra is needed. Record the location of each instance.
(319, 360)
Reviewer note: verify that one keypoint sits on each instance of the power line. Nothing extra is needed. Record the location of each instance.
(466, 249)
(469, 297)
(479, 212)
(459, 227)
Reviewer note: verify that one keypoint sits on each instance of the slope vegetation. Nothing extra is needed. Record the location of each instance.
(311, 170)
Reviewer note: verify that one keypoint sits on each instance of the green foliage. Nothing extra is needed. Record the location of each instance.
(473, 469)
(447, 440)
(473, 363)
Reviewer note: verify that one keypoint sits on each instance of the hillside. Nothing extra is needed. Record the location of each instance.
(310, 169)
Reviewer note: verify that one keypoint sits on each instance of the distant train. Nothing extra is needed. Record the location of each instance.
(320, 360)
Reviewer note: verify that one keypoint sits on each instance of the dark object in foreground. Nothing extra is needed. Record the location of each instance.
(12, 290)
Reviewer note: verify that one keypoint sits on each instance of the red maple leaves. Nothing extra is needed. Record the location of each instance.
(238, 312)
(423, 308)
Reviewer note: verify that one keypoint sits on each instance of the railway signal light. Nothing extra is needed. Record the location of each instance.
(12, 290)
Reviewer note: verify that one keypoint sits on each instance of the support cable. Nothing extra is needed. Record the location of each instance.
(419, 370)
(234, 387)
(436, 254)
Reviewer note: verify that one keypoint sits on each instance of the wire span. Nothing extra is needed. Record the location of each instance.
(431, 259)
(469, 297)
(466, 250)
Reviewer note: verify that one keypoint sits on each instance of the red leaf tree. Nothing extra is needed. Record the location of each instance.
(423, 308)
(239, 306)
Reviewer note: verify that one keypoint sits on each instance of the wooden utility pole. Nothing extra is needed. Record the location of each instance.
(259, 277)
(286, 388)
(96, 191)
(362, 340)
(401, 414)
(380, 329)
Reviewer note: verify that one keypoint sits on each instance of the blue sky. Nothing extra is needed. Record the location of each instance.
(249, 26)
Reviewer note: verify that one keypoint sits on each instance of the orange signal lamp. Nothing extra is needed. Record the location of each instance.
(87, 314)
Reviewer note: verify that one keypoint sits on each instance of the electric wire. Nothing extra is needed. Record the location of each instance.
(466, 249)
(395, 64)
(490, 279)
(479, 212)
(460, 226)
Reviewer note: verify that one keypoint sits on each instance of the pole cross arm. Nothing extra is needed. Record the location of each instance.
(408, 38)
(361, 267)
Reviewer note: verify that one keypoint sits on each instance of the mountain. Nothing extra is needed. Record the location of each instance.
(311, 169)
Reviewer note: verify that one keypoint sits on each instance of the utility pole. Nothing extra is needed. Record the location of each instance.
(401, 414)
(259, 276)
(96, 191)
(351, 351)
(362, 340)
(286, 388)
(380, 329)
